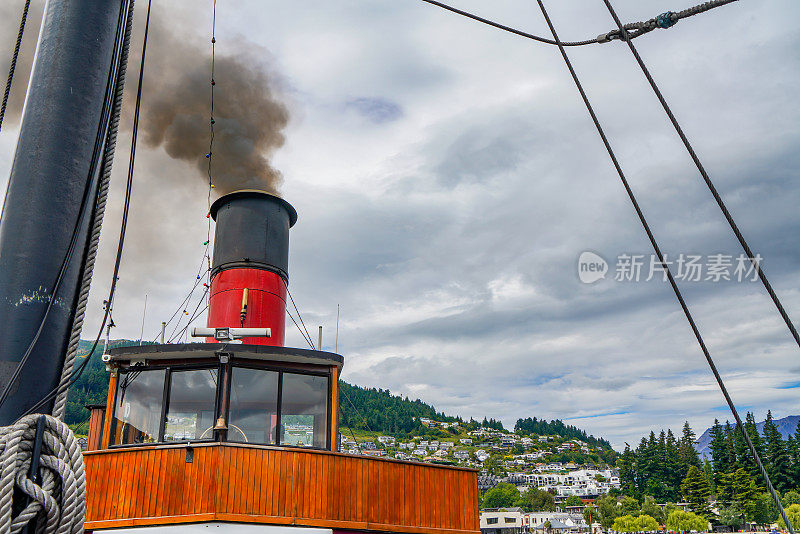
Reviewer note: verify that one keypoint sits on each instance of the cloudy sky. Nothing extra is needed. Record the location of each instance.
(448, 177)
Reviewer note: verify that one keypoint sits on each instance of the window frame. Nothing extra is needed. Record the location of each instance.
(281, 370)
(165, 394)
(167, 398)
(224, 373)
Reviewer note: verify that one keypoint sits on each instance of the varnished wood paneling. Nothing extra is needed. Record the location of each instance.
(112, 388)
(155, 485)
(334, 411)
(95, 435)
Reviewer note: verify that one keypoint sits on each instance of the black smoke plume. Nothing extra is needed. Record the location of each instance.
(176, 103)
(249, 117)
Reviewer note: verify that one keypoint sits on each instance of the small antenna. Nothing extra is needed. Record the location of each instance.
(336, 350)
(144, 312)
(107, 304)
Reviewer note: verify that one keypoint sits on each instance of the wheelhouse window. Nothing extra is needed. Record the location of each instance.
(304, 408)
(191, 405)
(139, 401)
(253, 406)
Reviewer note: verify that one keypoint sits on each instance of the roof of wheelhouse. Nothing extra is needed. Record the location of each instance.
(191, 351)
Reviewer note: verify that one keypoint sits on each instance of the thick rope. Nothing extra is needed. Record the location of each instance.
(14, 58)
(94, 239)
(57, 502)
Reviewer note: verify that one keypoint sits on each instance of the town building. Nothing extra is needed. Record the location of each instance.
(501, 521)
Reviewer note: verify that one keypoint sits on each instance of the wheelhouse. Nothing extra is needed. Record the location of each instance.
(208, 392)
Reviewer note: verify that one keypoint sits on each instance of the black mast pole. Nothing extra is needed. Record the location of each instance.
(46, 217)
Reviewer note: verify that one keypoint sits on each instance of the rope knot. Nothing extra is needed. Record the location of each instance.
(54, 503)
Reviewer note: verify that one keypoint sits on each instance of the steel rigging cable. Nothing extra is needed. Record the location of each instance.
(728, 217)
(667, 270)
(307, 336)
(634, 29)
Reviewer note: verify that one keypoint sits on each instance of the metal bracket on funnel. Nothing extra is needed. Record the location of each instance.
(230, 334)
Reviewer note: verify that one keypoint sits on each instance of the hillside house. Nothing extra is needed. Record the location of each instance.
(387, 440)
(501, 521)
(460, 454)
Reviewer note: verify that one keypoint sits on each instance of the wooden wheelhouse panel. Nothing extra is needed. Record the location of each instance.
(280, 486)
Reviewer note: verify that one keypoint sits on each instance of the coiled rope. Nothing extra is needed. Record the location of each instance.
(57, 501)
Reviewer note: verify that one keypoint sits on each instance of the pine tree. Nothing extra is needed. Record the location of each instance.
(652, 482)
(794, 453)
(643, 464)
(724, 488)
(660, 489)
(745, 492)
(778, 463)
(672, 466)
(743, 458)
(730, 447)
(719, 451)
(628, 472)
(688, 454)
(755, 438)
(708, 471)
(696, 491)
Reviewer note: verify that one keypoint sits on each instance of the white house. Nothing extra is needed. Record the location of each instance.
(501, 521)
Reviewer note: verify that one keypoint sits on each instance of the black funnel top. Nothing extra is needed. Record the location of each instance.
(252, 232)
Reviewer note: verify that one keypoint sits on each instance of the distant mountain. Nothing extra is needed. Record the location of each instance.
(786, 426)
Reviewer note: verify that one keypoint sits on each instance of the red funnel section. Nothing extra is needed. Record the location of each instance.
(264, 303)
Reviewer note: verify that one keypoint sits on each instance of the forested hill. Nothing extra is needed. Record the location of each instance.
(376, 410)
(380, 411)
(557, 427)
